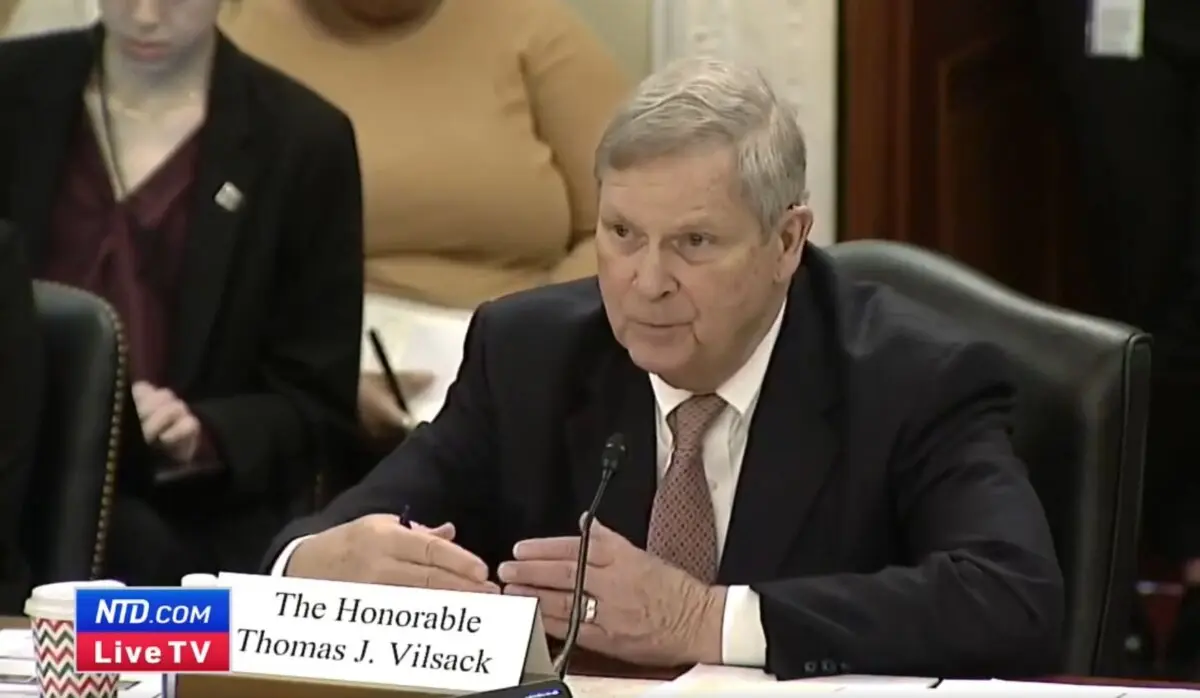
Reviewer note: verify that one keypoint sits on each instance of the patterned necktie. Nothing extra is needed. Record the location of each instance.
(683, 528)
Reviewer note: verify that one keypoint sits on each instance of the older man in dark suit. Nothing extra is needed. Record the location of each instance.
(819, 475)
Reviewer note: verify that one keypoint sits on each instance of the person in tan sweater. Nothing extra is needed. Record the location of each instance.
(476, 122)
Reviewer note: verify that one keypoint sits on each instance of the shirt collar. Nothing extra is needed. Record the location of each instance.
(741, 390)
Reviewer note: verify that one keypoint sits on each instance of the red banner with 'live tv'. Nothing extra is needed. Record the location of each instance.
(126, 630)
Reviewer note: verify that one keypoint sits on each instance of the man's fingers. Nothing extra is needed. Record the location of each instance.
(446, 531)
(427, 549)
(428, 577)
(542, 574)
(600, 548)
(455, 559)
(552, 603)
(560, 548)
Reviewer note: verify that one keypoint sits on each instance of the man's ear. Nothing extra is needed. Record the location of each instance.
(794, 228)
(793, 233)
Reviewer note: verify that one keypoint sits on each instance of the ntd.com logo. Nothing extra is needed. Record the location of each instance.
(152, 630)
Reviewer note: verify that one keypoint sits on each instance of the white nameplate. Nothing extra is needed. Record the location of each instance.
(424, 639)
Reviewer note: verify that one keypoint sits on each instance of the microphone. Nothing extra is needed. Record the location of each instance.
(610, 461)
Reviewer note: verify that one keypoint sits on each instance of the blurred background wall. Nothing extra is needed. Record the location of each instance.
(793, 40)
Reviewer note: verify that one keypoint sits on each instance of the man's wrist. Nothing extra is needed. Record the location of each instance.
(710, 619)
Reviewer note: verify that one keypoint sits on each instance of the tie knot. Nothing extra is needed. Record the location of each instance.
(691, 419)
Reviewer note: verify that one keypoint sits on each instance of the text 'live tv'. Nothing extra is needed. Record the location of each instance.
(152, 630)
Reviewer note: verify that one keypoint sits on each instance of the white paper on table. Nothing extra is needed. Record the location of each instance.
(416, 337)
(436, 346)
(608, 687)
(16, 644)
(712, 679)
(1032, 689)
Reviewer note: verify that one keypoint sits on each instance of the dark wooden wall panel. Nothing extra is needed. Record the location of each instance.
(949, 140)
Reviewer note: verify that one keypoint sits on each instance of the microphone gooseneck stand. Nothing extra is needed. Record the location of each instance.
(610, 462)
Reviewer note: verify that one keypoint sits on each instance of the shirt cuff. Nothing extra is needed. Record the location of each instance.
(279, 569)
(743, 641)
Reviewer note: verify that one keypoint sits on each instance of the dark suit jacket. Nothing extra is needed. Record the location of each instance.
(265, 338)
(21, 390)
(880, 511)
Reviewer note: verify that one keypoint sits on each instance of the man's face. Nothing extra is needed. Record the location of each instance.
(156, 33)
(689, 279)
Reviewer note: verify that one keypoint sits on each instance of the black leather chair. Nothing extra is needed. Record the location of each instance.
(1083, 401)
(65, 528)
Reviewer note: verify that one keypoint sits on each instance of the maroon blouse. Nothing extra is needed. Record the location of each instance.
(129, 252)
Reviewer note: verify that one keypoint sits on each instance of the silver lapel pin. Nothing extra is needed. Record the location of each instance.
(229, 197)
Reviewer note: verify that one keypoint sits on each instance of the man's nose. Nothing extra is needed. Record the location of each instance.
(652, 278)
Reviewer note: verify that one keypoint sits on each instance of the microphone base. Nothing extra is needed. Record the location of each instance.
(548, 688)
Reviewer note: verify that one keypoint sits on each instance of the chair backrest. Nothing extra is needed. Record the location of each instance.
(1080, 426)
(73, 483)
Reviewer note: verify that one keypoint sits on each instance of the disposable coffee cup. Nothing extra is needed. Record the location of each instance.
(51, 611)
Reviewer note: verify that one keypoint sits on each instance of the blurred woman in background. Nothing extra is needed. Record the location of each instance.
(216, 204)
(477, 123)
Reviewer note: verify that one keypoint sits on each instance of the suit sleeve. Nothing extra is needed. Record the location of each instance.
(20, 409)
(984, 593)
(303, 416)
(444, 471)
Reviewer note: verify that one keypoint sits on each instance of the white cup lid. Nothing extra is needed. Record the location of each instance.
(198, 580)
(57, 600)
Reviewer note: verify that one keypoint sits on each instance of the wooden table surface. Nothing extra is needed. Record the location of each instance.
(587, 666)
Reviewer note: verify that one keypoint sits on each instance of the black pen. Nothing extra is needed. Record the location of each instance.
(388, 374)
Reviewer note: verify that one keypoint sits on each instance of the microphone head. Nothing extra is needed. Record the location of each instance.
(614, 452)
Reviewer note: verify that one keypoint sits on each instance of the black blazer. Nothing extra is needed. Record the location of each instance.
(266, 334)
(880, 512)
(21, 388)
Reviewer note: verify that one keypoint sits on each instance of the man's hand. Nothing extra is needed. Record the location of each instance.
(378, 549)
(647, 611)
(167, 422)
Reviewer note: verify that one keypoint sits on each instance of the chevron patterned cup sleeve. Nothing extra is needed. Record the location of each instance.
(54, 649)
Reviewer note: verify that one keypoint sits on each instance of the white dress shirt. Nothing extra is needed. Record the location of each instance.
(743, 641)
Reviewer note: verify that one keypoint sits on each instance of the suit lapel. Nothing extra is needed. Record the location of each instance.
(617, 398)
(46, 128)
(222, 193)
(792, 443)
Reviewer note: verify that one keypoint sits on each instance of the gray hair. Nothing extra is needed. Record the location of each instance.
(699, 102)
